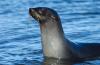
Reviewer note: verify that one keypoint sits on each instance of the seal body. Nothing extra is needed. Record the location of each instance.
(53, 41)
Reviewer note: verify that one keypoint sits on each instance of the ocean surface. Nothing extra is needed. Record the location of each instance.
(20, 41)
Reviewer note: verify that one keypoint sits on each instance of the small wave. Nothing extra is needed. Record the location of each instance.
(23, 37)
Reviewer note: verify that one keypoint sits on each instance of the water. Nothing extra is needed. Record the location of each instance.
(20, 35)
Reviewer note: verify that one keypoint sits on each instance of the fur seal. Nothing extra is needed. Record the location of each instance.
(54, 43)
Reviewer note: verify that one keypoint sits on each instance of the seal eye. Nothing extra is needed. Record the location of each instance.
(40, 12)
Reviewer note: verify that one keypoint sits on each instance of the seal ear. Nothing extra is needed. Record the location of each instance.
(51, 14)
(54, 17)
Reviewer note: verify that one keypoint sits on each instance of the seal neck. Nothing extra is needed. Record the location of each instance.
(53, 40)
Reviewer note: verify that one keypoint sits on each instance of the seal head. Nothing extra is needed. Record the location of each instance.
(43, 13)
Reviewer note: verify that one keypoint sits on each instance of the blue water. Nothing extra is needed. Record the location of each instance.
(20, 34)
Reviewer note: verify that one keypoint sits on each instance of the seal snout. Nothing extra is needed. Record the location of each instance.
(37, 13)
(31, 11)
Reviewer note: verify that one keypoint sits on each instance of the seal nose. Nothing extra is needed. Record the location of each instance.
(30, 10)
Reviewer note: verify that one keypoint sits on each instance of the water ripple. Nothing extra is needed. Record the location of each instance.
(23, 37)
